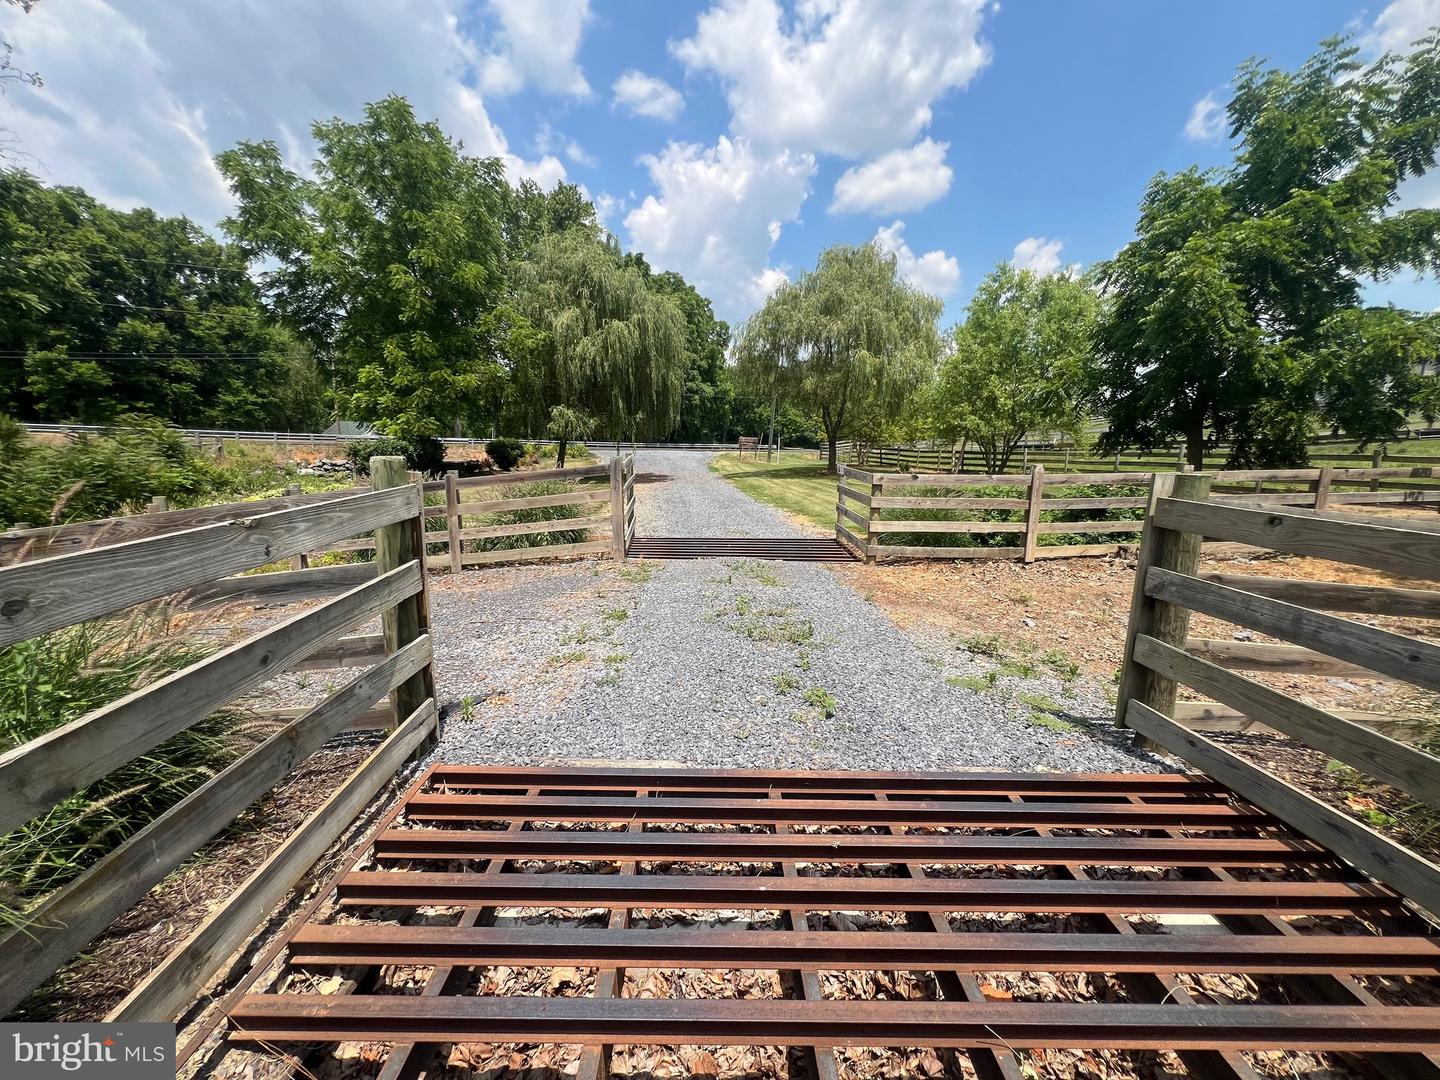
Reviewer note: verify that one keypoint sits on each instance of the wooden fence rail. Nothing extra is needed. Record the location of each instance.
(1160, 656)
(874, 508)
(48, 594)
(458, 527)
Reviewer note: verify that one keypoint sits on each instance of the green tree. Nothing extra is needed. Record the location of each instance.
(1236, 313)
(104, 312)
(1017, 363)
(848, 341)
(601, 342)
(391, 261)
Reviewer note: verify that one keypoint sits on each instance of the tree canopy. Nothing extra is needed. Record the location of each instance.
(1017, 363)
(1238, 313)
(104, 312)
(849, 341)
(391, 261)
(605, 343)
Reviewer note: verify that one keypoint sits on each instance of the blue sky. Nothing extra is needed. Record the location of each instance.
(731, 140)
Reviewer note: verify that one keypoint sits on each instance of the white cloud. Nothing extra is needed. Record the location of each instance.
(897, 182)
(645, 95)
(934, 272)
(550, 141)
(1208, 121)
(1400, 24)
(538, 46)
(717, 213)
(1038, 254)
(848, 77)
(139, 97)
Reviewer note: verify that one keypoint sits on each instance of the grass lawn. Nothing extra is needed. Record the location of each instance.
(797, 483)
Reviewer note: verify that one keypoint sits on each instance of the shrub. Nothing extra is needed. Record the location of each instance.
(97, 475)
(422, 453)
(534, 514)
(49, 681)
(505, 453)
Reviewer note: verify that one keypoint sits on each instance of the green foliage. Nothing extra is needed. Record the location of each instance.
(390, 259)
(1237, 312)
(104, 312)
(566, 424)
(47, 682)
(601, 341)
(505, 453)
(849, 341)
(822, 699)
(421, 453)
(98, 475)
(1017, 363)
(534, 514)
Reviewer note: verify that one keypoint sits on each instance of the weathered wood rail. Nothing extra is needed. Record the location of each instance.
(46, 595)
(453, 528)
(867, 504)
(1160, 656)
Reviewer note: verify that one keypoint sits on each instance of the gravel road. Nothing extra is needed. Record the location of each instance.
(738, 663)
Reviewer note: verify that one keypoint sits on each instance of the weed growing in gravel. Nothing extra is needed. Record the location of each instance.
(585, 635)
(986, 645)
(1020, 669)
(1052, 723)
(822, 699)
(1022, 596)
(1039, 701)
(802, 659)
(616, 658)
(639, 573)
(610, 678)
(758, 571)
(785, 683)
(980, 684)
(467, 708)
(618, 614)
(743, 605)
(1061, 664)
(561, 659)
(778, 626)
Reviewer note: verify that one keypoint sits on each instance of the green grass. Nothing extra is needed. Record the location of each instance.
(796, 484)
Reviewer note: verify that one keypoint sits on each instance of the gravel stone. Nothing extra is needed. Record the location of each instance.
(735, 663)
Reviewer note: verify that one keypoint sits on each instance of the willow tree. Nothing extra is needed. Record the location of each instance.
(606, 345)
(850, 341)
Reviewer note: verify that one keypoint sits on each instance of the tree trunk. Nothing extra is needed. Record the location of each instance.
(560, 445)
(833, 466)
(1195, 438)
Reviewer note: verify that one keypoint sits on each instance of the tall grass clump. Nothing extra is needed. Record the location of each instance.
(532, 515)
(48, 682)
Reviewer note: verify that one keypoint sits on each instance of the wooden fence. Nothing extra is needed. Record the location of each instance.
(1160, 655)
(451, 526)
(43, 595)
(953, 459)
(872, 508)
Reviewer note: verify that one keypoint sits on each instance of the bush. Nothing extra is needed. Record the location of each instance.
(534, 514)
(423, 453)
(49, 681)
(505, 453)
(95, 476)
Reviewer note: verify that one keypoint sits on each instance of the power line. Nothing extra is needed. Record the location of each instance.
(175, 311)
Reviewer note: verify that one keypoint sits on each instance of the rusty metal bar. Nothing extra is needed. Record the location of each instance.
(768, 1022)
(836, 812)
(841, 847)
(417, 889)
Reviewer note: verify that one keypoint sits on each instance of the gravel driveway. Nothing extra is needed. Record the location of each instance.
(738, 663)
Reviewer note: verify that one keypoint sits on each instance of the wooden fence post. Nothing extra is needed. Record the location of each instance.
(1377, 459)
(617, 508)
(452, 518)
(1032, 512)
(158, 505)
(1169, 550)
(396, 545)
(1322, 486)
